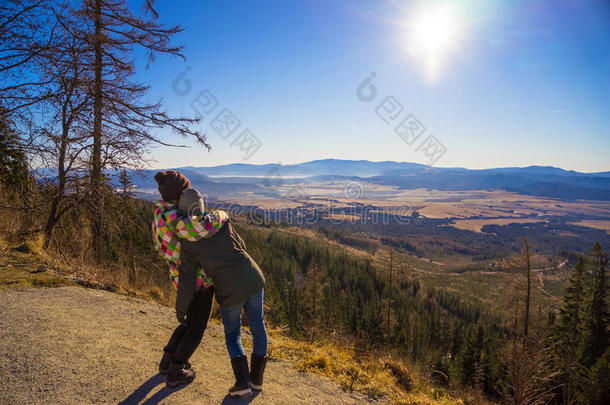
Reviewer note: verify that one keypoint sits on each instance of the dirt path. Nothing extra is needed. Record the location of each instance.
(72, 345)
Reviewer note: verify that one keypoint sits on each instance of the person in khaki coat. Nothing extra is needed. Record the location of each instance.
(193, 239)
(239, 284)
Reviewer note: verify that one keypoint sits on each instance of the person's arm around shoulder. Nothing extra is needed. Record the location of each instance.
(196, 227)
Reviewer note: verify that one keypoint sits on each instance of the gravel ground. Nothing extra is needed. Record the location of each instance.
(71, 345)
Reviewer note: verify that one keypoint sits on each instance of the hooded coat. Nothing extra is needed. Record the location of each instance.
(235, 274)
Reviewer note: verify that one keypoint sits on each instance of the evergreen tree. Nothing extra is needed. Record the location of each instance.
(598, 390)
(567, 335)
(595, 339)
(595, 332)
(13, 166)
(126, 185)
(579, 338)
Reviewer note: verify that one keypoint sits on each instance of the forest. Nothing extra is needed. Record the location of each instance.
(310, 283)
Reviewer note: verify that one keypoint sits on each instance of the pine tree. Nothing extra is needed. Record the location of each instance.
(596, 321)
(598, 389)
(567, 334)
(13, 166)
(127, 186)
(467, 360)
(579, 338)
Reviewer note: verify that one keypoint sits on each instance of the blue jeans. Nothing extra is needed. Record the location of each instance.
(231, 318)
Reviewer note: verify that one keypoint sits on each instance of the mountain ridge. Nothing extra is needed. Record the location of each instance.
(350, 162)
(543, 181)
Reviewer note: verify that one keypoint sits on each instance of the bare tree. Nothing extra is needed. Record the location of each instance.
(34, 66)
(528, 374)
(62, 140)
(123, 122)
(76, 59)
(27, 30)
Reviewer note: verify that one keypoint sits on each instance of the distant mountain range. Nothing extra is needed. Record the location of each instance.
(544, 181)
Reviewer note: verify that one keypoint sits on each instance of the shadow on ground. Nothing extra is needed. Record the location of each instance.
(143, 390)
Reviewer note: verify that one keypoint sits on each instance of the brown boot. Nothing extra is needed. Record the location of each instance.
(166, 359)
(257, 369)
(178, 375)
(240, 369)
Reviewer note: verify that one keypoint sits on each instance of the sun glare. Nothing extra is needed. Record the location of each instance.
(433, 35)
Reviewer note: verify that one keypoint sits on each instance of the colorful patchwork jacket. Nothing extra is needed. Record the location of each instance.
(169, 226)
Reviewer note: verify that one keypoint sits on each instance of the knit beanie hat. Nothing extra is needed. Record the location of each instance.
(171, 184)
(190, 202)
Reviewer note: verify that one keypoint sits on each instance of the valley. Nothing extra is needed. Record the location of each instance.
(464, 240)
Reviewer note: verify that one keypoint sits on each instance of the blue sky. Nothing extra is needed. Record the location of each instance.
(519, 82)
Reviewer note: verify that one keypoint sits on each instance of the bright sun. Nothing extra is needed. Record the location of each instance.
(433, 35)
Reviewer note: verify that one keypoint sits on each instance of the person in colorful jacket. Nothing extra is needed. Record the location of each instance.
(170, 224)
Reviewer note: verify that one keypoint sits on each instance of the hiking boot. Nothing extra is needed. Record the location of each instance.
(166, 360)
(257, 369)
(177, 375)
(240, 369)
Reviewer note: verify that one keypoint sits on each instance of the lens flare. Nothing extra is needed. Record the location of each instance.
(433, 34)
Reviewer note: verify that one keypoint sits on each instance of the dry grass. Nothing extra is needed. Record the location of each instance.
(21, 265)
(375, 374)
(24, 266)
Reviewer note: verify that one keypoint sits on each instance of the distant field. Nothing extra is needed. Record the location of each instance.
(604, 225)
(459, 204)
(475, 225)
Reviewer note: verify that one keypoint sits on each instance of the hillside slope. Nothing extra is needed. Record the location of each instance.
(74, 345)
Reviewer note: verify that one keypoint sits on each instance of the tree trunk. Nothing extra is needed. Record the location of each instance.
(96, 159)
(51, 222)
(390, 293)
(314, 294)
(53, 217)
(529, 282)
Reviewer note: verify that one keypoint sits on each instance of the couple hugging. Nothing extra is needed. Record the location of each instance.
(206, 256)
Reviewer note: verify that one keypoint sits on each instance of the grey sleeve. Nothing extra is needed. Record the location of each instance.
(187, 283)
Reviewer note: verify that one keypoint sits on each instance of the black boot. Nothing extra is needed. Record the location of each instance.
(240, 369)
(257, 369)
(166, 359)
(177, 375)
